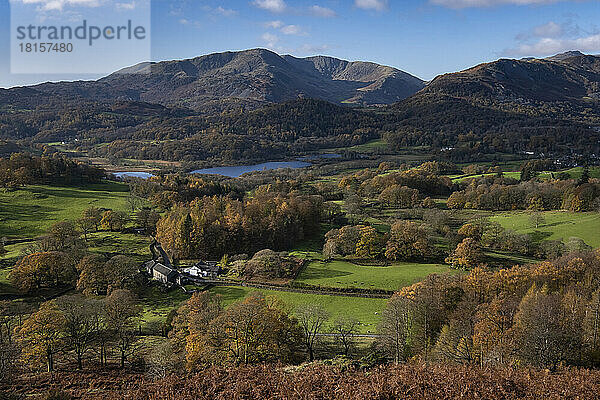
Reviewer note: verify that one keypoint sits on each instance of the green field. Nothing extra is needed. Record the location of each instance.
(30, 211)
(134, 246)
(157, 305)
(373, 145)
(508, 174)
(366, 311)
(6, 263)
(558, 225)
(574, 173)
(343, 274)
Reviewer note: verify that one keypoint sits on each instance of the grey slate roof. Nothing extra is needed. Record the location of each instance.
(164, 270)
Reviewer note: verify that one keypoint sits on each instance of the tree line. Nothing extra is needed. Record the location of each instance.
(406, 241)
(211, 227)
(500, 194)
(22, 169)
(70, 329)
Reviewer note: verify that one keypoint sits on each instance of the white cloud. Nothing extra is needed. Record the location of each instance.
(226, 12)
(378, 5)
(312, 49)
(489, 3)
(291, 30)
(283, 28)
(48, 5)
(219, 11)
(270, 40)
(322, 12)
(551, 29)
(548, 30)
(276, 6)
(125, 6)
(568, 29)
(187, 22)
(274, 24)
(551, 46)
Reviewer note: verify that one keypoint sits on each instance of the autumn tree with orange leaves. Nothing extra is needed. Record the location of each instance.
(43, 270)
(41, 336)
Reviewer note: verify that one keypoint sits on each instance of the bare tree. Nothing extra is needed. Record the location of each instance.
(344, 329)
(395, 328)
(354, 206)
(134, 201)
(121, 311)
(86, 226)
(162, 361)
(312, 318)
(540, 337)
(82, 322)
(12, 314)
(592, 323)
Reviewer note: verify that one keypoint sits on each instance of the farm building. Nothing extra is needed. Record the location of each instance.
(161, 273)
(203, 269)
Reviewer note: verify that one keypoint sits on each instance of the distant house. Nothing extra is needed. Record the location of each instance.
(160, 268)
(161, 273)
(203, 269)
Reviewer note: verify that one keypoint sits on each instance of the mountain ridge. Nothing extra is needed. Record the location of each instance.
(254, 77)
(544, 106)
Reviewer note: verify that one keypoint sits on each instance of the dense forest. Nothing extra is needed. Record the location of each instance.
(539, 315)
(24, 169)
(212, 227)
(468, 128)
(145, 131)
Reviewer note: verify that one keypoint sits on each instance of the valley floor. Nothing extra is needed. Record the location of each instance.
(28, 212)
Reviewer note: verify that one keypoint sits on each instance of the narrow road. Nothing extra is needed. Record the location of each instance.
(356, 335)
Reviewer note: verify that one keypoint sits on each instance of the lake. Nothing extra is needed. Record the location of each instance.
(237, 171)
(143, 175)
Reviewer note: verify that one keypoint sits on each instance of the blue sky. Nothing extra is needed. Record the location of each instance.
(423, 37)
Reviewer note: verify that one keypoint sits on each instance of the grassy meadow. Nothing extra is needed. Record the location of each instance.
(559, 225)
(574, 173)
(366, 311)
(30, 211)
(344, 274)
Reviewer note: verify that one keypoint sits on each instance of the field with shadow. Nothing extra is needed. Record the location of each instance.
(345, 274)
(366, 311)
(558, 225)
(29, 212)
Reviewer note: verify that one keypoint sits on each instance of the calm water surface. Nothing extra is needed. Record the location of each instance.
(143, 175)
(236, 171)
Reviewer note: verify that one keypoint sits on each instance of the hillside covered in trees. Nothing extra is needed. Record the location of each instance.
(544, 106)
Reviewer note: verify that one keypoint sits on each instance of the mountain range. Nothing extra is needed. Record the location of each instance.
(571, 76)
(256, 77)
(540, 106)
(546, 106)
(249, 78)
